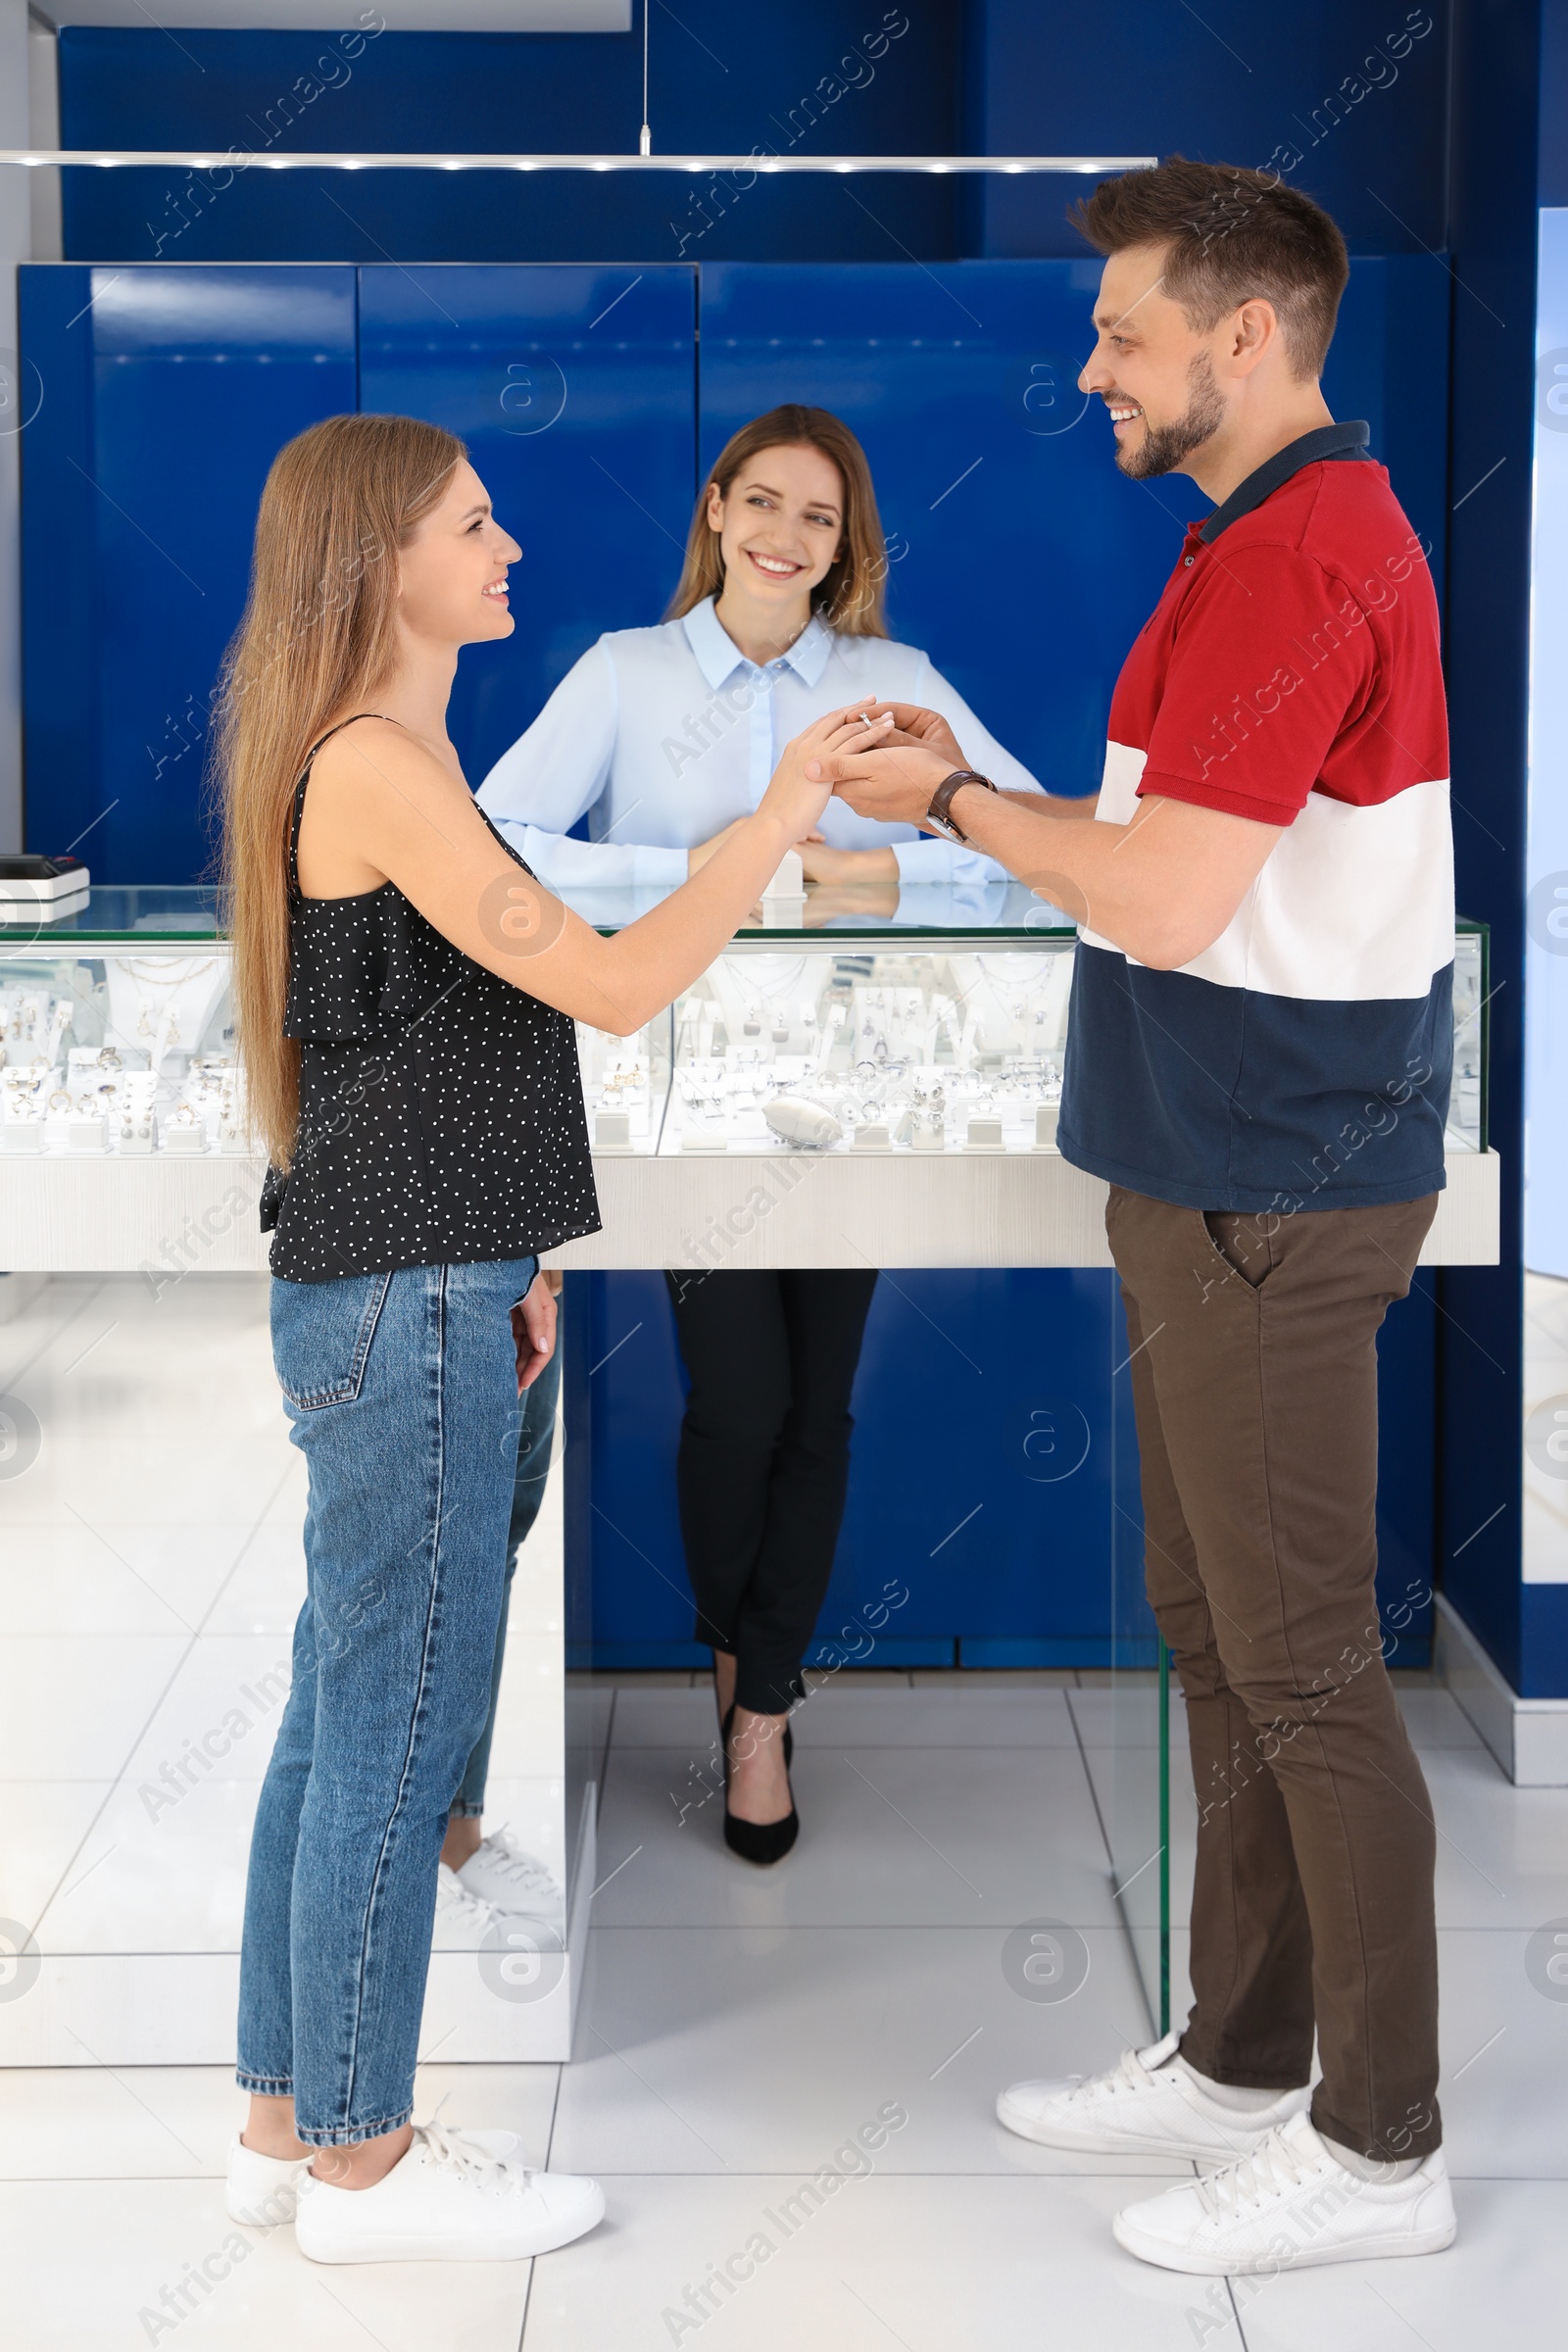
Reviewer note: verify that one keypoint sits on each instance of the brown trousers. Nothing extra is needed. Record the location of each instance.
(1254, 1381)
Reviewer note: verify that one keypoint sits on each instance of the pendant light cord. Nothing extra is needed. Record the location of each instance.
(645, 144)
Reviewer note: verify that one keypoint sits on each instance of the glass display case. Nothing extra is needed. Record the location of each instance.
(1472, 999)
(939, 1028)
(935, 1024)
(117, 1031)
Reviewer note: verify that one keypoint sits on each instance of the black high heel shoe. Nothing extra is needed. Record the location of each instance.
(761, 1842)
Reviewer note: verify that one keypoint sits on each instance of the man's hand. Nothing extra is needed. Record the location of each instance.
(893, 786)
(916, 725)
(533, 1329)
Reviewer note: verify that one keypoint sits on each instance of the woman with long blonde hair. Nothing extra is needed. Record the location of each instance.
(664, 738)
(404, 991)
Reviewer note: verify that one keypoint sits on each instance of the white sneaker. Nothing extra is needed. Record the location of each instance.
(262, 2190)
(502, 1871)
(462, 1920)
(1143, 2106)
(1286, 2206)
(447, 2200)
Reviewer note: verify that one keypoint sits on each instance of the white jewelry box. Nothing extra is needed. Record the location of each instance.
(613, 1131)
(175, 1134)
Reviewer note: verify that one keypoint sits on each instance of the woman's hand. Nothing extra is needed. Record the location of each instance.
(796, 799)
(822, 863)
(533, 1329)
(873, 901)
(893, 786)
(698, 857)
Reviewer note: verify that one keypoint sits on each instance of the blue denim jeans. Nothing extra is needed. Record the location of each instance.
(538, 1405)
(402, 1392)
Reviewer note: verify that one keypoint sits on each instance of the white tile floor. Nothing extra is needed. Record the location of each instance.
(737, 2028)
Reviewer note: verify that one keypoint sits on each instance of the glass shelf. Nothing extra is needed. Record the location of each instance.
(171, 911)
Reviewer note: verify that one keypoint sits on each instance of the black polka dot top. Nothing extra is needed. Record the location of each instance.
(441, 1112)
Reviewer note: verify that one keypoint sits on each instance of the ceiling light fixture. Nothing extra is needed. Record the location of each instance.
(189, 159)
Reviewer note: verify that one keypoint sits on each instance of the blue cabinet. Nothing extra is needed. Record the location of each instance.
(167, 394)
(994, 1479)
(575, 392)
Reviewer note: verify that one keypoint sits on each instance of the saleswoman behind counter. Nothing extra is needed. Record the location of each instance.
(665, 737)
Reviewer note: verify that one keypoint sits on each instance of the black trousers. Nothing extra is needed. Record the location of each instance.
(765, 1459)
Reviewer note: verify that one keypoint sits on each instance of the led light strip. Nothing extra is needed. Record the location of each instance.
(244, 159)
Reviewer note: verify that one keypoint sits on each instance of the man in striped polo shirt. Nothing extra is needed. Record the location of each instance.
(1259, 1064)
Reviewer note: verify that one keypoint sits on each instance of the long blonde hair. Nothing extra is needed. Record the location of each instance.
(849, 598)
(317, 637)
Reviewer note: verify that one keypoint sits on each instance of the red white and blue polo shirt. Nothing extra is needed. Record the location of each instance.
(1290, 675)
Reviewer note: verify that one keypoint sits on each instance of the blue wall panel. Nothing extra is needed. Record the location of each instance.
(1345, 100)
(177, 388)
(819, 75)
(1499, 113)
(1388, 363)
(574, 389)
(1347, 90)
(1019, 558)
(167, 398)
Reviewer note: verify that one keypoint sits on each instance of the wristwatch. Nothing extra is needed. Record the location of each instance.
(940, 811)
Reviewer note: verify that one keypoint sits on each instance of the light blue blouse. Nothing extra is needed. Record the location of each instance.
(662, 736)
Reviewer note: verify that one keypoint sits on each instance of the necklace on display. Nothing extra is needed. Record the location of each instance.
(765, 985)
(163, 1005)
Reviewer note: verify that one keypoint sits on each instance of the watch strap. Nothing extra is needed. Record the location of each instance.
(940, 811)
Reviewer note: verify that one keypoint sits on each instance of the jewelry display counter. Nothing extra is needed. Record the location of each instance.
(898, 1076)
(856, 1087)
